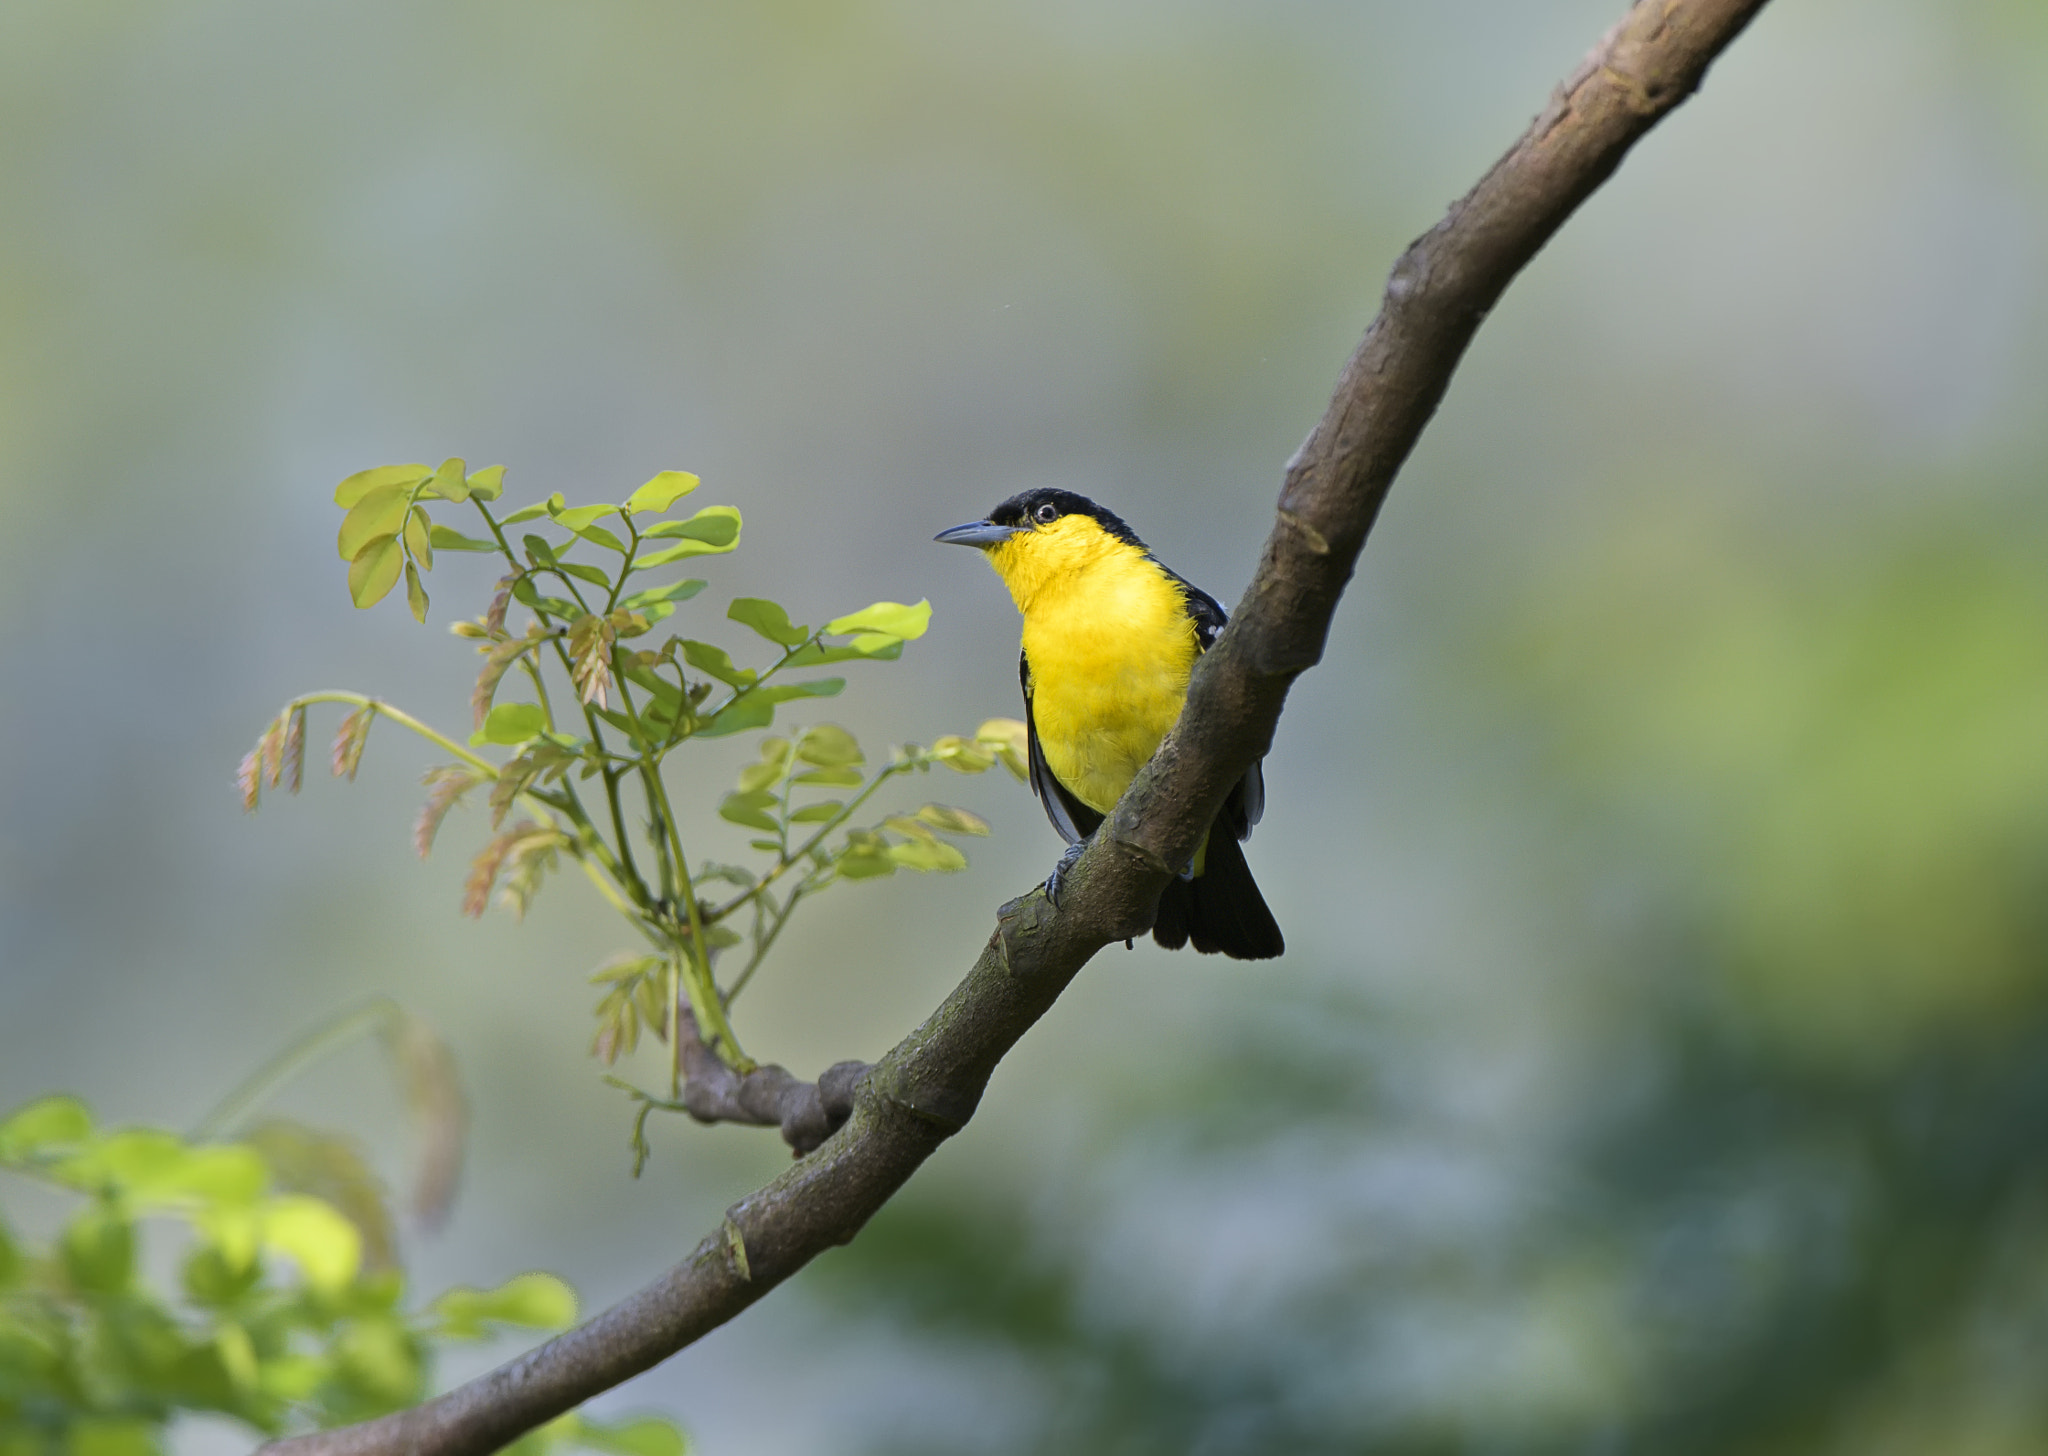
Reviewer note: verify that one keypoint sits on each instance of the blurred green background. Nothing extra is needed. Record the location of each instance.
(1660, 1062)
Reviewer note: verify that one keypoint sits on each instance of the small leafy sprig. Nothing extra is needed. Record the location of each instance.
(607, 710)
(287, 1309)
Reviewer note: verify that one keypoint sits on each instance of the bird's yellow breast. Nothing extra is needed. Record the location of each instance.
(1110, 645)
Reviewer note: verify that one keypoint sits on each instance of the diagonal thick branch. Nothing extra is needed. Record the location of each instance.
(925, 1089)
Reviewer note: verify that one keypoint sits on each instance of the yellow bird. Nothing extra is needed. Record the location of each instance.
(1110, 636)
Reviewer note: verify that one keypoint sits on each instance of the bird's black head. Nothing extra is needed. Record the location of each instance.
(1043, 507)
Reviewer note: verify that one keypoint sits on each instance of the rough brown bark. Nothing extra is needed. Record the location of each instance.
(925, 1089)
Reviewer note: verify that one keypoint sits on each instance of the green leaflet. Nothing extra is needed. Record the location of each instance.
(327, 1248)
(948, 820)
(769, 619)
(928, 856)
(716, 662)
(583, 572)
(375, 571)
(380, 512)
(353, 489)
(829, 746)
(715, 526)
(449, 482)
(415, 593)
(535, 511)
(47, 1123)
(510, 723)
(756, 708)
(892, 618)
(663, 491)
(749, 809)
(580, 519)
(831, 778)
(875, 646)
(675, 591)
(529, 1301)
(444, 539)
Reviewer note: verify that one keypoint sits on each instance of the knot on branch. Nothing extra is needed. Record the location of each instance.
(769, 1096)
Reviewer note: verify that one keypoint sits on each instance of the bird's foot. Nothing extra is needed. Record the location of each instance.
(1055, 880)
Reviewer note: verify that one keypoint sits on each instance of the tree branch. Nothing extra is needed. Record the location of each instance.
(768, 1096)
(925, 1089)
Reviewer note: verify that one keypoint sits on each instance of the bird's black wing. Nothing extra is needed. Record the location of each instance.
(1074, 820)
(1205, 610)
(1247, 802)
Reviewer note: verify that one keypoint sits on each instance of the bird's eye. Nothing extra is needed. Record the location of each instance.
(1047, 513)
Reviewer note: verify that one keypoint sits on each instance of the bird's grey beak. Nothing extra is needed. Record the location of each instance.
(977, 533)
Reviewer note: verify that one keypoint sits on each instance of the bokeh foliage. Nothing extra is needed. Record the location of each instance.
(185, 1277)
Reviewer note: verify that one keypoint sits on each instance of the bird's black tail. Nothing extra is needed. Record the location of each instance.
(1221, 909)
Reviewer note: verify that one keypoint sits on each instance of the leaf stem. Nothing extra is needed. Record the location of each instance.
(763, 942)
(248, 1094)
(788, 862)
(630, 880)
(402, 718)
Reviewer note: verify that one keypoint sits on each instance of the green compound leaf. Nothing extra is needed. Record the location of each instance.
(443, 539)
(379, 513)
(817, 813)
(675, 591)
(353, 489)
(488, 483)
(530, 1301)
(375, 571)
(663, 491)
(511, 723)
(449, 481)
(769, 619)
(892, 618)
(749, 809)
